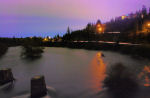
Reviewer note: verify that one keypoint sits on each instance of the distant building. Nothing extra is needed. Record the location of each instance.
(100, 28)
(146, 27)
(128, 16)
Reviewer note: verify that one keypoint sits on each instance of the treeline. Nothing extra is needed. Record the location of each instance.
(3, 49)
(21, 41)
(128, 23)
(31, 47)
(128, 26)
(6, 42)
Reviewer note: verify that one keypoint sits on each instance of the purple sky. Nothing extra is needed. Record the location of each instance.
(50, 17)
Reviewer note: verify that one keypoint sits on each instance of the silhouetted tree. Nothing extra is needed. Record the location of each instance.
(149, 11)
(32, 48)
(144, 10)
(68, 30)
(120, 81)
(127, 27)
(3, 49)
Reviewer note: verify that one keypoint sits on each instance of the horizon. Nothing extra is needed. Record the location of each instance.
(25, 18)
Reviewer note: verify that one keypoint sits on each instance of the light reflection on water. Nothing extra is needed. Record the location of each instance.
(74, 73)
(145, 75)
(98, 68)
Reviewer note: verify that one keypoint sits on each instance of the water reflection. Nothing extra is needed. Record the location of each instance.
(8, 87)
(98, 71)
(145, 74)
(75, 73)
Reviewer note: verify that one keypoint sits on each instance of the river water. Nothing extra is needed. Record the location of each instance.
(74, 73)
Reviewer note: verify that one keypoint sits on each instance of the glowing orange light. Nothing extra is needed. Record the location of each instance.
(123, 17)
(45, 39)
(98, 71)
(98, 25)
(147, 85)
(100, 29)
(99, 54)
(148, 24)
(147, 69)
(145, 73)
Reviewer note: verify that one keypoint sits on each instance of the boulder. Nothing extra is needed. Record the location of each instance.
(6, 76)
(38, 87)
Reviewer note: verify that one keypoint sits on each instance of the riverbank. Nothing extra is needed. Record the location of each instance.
(137, 51)
(3, 49)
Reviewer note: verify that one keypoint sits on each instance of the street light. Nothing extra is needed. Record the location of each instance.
(100, 29)
(148, 24)
(123, 17)
(148, 27)
(98, 25)
(45, 39)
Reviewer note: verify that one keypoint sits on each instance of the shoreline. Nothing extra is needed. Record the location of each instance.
(136, 51)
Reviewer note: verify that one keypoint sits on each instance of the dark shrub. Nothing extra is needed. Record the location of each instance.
(32, 48)
(120, 81)
(3, 49)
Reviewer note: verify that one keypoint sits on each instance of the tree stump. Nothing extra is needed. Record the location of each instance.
(6, 76)
(38, 87)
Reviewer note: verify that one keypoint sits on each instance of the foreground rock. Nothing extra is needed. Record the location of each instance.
(6, 76)
(38, 87)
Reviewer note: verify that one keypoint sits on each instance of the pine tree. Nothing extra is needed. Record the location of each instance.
(149, 11)
(68, 30)
(144, 10)
(98, 22)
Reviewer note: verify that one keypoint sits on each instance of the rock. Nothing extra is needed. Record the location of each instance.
(6, 76)
(38, 87)
(103, 55)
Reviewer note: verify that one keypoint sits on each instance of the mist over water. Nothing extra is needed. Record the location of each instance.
(74, 73)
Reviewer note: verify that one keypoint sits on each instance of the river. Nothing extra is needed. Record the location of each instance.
(74, 73)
